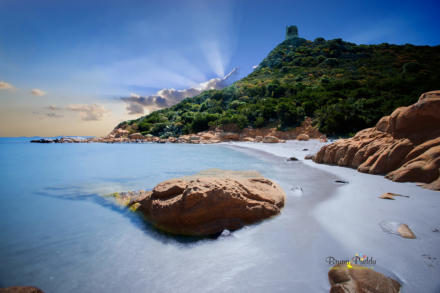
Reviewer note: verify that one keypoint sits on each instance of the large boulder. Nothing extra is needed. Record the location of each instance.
(405, 145)
(203, 205)
(359, 279)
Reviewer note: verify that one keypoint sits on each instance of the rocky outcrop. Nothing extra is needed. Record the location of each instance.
(405, 145)
(20, 289)
(136, 135)
(209, 204)
(359, 279)
(124, 134)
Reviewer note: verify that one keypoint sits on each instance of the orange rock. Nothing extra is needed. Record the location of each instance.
(303, 136)
(404, 145)
(360, 279)
(405, 231)
(270, 139)
(208, 205)
(390, 195)
(136, 135)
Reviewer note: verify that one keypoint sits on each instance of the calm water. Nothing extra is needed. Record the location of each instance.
(58, 234)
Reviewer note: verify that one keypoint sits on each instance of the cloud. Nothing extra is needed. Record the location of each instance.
(53, 108)
(6, 86)
(38, 92)
(41, 115)
(255, 66)
(54, 115)
(169, 97)
(89, 112)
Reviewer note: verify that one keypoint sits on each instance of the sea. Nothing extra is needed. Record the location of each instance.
(58, 231)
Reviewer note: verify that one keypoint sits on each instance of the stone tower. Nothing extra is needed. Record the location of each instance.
(291, 32)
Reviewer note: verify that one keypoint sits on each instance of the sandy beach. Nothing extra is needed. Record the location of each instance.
(354, 220)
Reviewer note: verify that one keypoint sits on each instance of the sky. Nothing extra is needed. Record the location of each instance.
(81, 67)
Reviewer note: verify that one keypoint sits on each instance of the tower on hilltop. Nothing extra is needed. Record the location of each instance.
(291, 32)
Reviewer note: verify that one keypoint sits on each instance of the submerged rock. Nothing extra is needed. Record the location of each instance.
(202, 205)
(405, 145)
(397, 228)
(359, 279)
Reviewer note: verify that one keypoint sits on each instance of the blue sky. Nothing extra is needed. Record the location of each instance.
(93, 52)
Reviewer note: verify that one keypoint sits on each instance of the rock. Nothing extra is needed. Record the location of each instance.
(20, 289)
(119, 132)
(390, 195)
(258, 138)
(203, 205)
(404, 146)
(309, 157)
(42, 140)
(303, 136)
(270, 139)
(250, 139)
(323, 138)
(292, 159)
(305, 150)
(360, 279)
(387, 196)
(136, 135)
(405, 231)
(393, 227)
(228, 136)
(341, 181)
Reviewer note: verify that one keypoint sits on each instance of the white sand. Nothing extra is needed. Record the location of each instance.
(352, 214)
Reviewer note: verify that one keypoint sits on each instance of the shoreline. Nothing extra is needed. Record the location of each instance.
(353, 215)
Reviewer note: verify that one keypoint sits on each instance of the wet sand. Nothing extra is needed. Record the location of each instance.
(352, 219)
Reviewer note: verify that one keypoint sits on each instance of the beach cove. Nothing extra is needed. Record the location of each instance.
(58, 226)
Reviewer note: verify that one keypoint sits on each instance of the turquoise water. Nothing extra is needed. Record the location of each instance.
(57, 234)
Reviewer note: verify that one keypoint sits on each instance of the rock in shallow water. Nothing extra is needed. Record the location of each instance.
(390, 195)
(397, 228)
(208, 205)
(359, 279)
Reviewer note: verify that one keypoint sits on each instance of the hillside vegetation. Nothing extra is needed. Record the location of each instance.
(342, 86)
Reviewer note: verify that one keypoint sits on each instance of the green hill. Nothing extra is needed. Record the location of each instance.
(342, 86)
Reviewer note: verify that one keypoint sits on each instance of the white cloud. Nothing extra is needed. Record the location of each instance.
(133, 95)
(38, 92)
(6, 86)
(53, 108)
(89, 112)
(255, 66)
(169, 97)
